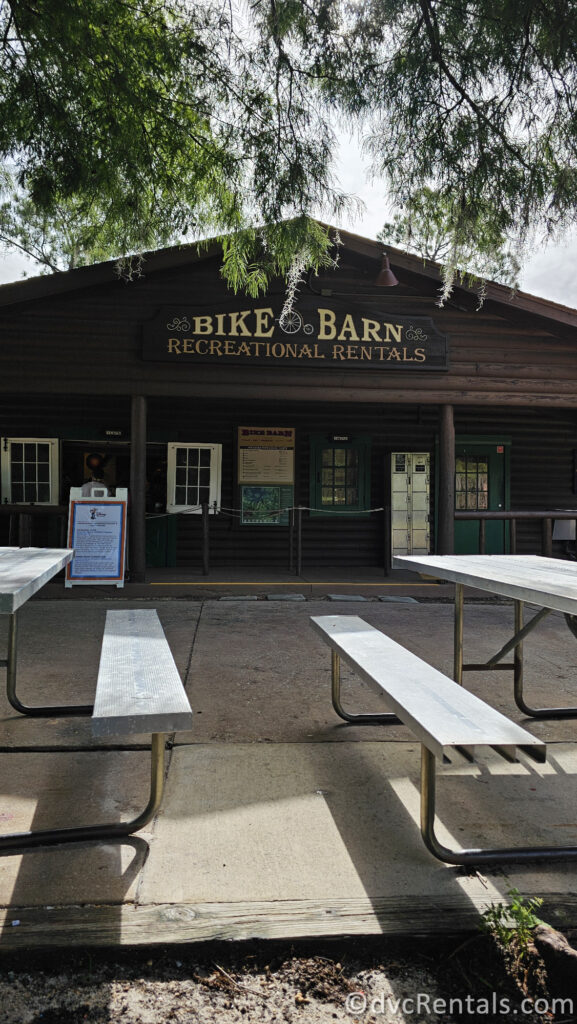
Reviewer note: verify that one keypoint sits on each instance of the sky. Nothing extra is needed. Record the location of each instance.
(550, 273)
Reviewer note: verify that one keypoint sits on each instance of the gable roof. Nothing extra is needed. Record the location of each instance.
(498, 298)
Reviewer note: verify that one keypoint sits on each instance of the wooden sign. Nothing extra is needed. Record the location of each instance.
(320, 332)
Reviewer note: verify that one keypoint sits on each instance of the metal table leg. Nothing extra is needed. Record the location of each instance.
(458, 637)
(9, 663)
(16, 841)
(336, 698)
(567, 712)
(473, 856)
(515, 644)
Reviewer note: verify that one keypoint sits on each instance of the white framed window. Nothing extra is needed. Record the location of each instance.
(193, 477)
(29, 470)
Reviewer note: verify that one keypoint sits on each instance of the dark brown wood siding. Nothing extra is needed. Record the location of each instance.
(541, 474)
(70, 362)
(542, 444)
(90, 342)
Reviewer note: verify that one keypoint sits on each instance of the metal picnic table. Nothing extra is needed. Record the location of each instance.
(549, 583)
(23, 572)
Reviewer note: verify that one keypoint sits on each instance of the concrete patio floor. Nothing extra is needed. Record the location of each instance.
(278, 820)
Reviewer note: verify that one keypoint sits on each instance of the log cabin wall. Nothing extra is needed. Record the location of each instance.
(88, 341)
(71, 358)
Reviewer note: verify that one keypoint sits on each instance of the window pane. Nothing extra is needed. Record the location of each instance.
(472, 482)
(30, 465)
(193, 473)
(341, 476)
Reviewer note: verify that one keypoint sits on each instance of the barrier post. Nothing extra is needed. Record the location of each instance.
(547, 537)
(299, 540)
(291, 539)
(205, 540)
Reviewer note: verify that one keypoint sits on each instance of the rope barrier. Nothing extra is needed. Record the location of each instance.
(295, 531)
(238, 513)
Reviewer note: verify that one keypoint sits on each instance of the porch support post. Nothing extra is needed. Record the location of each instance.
(137, 550)
(446, 503)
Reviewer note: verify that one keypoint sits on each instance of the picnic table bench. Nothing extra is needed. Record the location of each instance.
(138, 690)
(440, 713)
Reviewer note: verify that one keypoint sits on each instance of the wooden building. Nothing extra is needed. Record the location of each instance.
(371, 409)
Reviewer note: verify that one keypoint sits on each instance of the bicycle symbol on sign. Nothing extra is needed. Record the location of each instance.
(292, 323)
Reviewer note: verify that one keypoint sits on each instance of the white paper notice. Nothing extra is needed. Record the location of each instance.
(97, 532)
(266, 465)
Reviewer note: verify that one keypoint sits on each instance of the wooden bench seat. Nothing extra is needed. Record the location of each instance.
(138, 690)
(441, 715)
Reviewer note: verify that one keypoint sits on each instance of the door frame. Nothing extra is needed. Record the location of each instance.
(485, 441)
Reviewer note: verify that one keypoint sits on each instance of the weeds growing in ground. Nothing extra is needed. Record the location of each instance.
(513, 923)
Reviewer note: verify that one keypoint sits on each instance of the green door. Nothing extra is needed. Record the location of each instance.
(481, 483)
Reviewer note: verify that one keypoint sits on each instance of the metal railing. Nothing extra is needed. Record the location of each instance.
(22, 516)
(545, 515)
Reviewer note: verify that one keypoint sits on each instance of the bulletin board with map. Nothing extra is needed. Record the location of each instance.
(266, 474)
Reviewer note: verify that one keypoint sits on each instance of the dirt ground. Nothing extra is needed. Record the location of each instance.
(377, 981)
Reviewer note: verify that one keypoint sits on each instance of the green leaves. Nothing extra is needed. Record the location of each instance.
(252, 258)
(162, 113)
(513, 923)
(156, 115)
(467, 238)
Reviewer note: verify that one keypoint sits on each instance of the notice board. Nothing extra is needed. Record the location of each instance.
(266, 474)
(97, 533)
